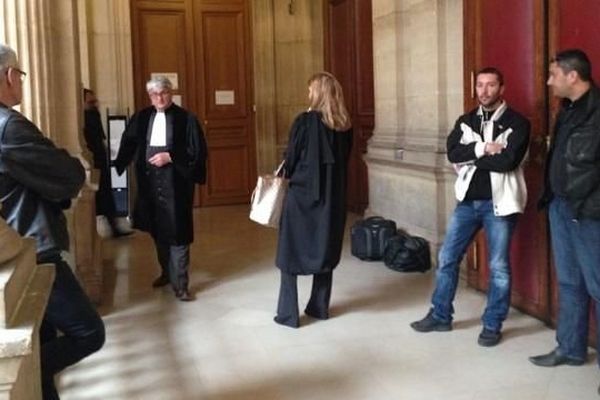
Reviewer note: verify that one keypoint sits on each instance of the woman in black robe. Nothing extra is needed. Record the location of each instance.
(314, 213)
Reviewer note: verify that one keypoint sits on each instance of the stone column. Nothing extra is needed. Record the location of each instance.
(288, 49)
(106, 54)
(46, 37)
(417, 46)
(264, 84)
(299, 53)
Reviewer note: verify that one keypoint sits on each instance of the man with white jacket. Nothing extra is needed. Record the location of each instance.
(487, 148)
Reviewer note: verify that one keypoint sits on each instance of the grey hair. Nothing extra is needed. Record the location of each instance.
(157, 83)
(8, 57)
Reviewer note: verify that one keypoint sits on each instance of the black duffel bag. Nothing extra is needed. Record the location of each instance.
(369, 236)
(406, 253)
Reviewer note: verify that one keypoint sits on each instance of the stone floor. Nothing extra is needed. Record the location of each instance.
(225, 346)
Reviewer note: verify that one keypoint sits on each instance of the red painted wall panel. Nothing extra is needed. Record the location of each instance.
(579, 24)
(508, 43)
(507, 39)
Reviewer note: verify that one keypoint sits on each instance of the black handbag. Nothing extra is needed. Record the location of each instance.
(406, 253)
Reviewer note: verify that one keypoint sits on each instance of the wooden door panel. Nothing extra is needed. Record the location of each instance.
(349, 56)
(493, 30)
(160, 29)
(341, 15)
(225, 64)
(229, 177)
(578, 27)
(574, 24)
(228, 172)
(226, 87)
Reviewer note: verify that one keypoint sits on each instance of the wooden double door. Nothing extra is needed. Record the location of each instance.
(204, 46)
(519, 37)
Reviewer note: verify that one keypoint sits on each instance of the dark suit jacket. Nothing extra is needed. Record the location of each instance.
(37, 180)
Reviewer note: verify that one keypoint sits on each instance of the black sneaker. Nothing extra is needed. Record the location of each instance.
(489, 338)
(430, 324)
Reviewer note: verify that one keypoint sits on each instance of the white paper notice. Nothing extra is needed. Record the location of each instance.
(224, 97)
(116, 128)
(177, 99)
(118, 181)
(172, 76)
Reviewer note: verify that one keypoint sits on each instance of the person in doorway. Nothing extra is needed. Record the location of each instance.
(487, 147)
(170, 156)
(314, 213)
(94, 139)
(572, 195)
(38, 180)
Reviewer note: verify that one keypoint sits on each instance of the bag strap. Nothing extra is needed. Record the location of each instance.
(279, 169)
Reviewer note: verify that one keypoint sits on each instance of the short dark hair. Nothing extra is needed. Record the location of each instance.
(574, 60)
(492, 70)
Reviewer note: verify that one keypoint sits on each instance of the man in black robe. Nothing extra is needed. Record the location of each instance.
(170, 156)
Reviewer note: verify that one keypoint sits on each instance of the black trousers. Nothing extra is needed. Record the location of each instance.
(69, 311)
(174, 261)
(105, 202)
(318, 304)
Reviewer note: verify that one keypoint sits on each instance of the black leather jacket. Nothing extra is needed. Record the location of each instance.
(37, 180)
(582, 175)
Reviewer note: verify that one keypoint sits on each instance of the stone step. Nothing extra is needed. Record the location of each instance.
(15, 275)
(19, 345)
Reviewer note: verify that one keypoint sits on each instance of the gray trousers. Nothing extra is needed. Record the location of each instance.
(174, 261)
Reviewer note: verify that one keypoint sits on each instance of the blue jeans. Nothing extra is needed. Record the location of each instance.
(69, 311)
(576, 248)
(467, 219)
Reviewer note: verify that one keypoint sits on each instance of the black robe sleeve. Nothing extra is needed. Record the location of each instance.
(296, 144)
(128, 146)
(193, 165)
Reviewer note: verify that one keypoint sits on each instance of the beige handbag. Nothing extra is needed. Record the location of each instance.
(267, 199)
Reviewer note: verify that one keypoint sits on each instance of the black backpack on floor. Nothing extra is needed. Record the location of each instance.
(406, 253)
(369, 236)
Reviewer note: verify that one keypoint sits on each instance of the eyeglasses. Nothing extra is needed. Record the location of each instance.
(162, 93)
(23, 73)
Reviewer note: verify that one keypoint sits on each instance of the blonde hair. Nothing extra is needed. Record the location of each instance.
(326, 96)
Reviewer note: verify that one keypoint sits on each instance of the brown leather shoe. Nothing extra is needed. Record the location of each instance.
(161, 281)
(184, 295)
